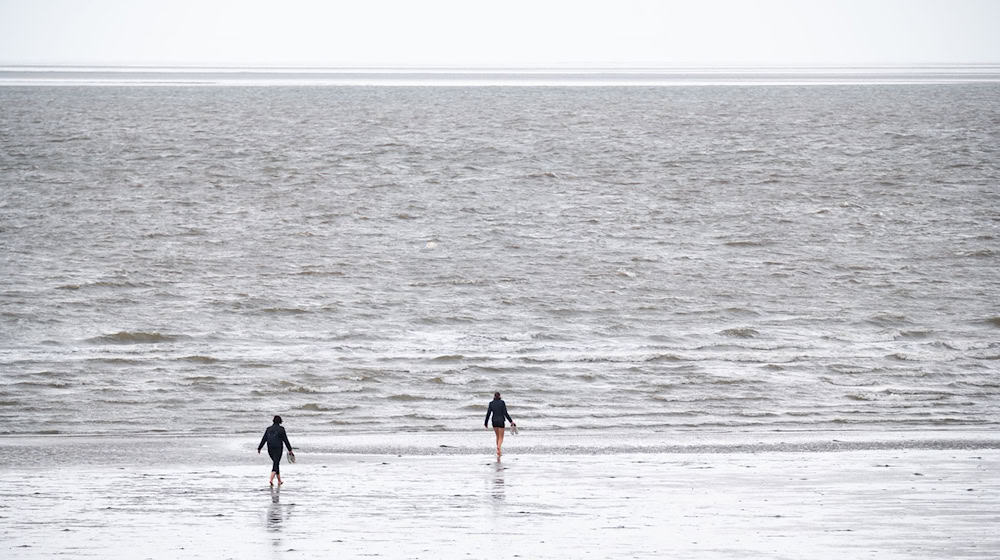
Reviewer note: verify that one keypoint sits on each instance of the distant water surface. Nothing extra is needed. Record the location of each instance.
(446, 76)
(180, 259)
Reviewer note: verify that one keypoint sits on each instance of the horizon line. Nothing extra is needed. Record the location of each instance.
(486, 69)
(494, 76)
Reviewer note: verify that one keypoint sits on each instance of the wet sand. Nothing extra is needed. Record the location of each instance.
(208, 498)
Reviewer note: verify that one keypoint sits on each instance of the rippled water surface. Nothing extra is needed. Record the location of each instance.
(370, 259)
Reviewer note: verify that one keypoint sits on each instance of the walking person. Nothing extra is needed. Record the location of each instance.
(498, 409)
(274, 437)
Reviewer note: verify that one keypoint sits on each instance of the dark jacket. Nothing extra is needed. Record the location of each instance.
(498, 409)
(274, 436)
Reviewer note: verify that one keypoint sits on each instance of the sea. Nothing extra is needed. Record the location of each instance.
(192, 253)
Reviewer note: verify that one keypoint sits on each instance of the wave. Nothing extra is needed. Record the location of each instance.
(199, 359)
(901, 357)
(136, 337)
(374, 377)
(476, 407)
(886, 319)
(201, 379)
(104, 284)
(116, 361)
(17, 316)
(448, 358)
(534, 360)
(981, 253)
(72, 138)
(319, 273)
(664, 358)
(913, 335)
(44, 385)
(541, 175)
(498, 369)
(295, 388)
(285, 310)
(465, 319)
(901, 395)
(316, 407)
(409, 398)
(747, 243)
(313, 407)
(740, 332)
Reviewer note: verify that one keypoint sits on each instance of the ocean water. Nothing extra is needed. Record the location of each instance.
(612, 259)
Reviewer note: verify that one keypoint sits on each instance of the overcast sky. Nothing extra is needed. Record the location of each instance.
(534, 33)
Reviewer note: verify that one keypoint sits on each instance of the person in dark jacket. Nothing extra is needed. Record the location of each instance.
(498, 409)
(274, 437)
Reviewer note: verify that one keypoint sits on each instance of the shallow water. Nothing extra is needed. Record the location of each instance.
(376, 259)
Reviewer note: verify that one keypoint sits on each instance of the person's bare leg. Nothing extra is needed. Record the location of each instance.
(280, 482)
(271, 480)
(499, 432)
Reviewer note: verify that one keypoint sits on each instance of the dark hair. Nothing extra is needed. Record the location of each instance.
(277, 419)
(496, 395)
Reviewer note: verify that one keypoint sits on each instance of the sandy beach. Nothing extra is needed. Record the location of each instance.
(551, 496)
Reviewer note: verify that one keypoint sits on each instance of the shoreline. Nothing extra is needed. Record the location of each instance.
(26, 450)
(192, 450)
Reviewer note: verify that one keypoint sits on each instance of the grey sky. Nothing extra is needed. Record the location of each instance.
(510, 33)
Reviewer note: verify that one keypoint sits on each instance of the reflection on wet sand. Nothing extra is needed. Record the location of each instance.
(497, 488)
(276, 514)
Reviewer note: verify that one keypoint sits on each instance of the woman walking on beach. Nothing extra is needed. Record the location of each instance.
(274, 437)
(498, 409)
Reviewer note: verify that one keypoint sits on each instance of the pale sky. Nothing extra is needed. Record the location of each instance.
(509, 33)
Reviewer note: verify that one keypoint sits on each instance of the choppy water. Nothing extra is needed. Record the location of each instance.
(374, 259)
